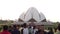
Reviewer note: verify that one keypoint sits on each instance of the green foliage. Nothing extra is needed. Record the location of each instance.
(0, 28)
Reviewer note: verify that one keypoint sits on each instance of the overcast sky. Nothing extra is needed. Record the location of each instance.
(12, 9)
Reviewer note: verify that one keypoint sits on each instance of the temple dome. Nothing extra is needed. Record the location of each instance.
(32, 13)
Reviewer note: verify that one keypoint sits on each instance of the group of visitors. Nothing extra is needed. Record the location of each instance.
(25, 29)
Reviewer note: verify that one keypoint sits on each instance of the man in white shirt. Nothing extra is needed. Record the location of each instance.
(25, 29)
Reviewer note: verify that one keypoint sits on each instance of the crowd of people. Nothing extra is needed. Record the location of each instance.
(25, 29)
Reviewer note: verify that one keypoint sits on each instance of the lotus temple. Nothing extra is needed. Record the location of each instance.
(33, 17)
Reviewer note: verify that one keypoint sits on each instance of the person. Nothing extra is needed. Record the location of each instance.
(30, 30)
(25, 29)
(41, 30)
(10, 29)
(5, 30)
(21, 27)
(15, 30)
(50, 31)
(58, 29)
(34, 29)
(55, 29)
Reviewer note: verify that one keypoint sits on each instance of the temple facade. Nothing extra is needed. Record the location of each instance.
(32, 16)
